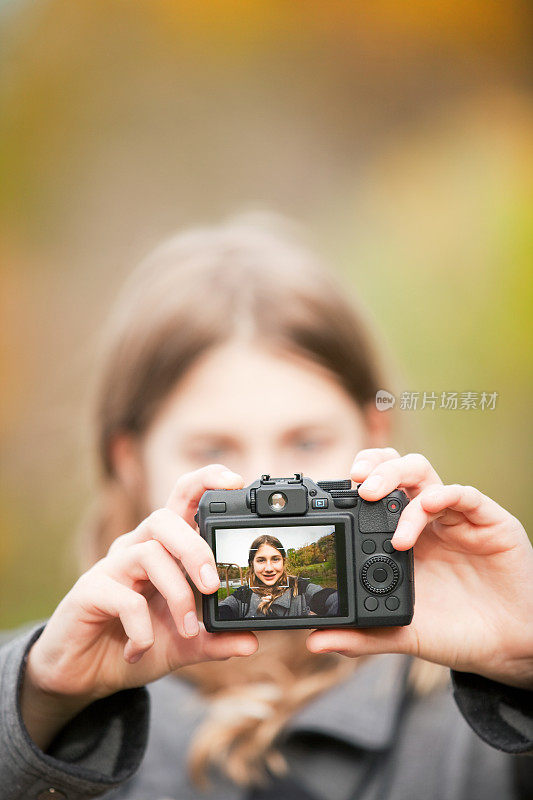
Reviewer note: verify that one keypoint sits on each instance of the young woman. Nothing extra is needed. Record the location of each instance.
(230, 354)
(272, 592)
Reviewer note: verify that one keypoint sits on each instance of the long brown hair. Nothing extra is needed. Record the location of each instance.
(250, 278)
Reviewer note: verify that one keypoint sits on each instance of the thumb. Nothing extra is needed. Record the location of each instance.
(364, 642)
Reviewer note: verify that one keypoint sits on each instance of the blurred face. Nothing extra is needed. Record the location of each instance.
(255, 411)
(268, 564)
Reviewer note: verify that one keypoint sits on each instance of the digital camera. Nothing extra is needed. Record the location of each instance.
(292, 553)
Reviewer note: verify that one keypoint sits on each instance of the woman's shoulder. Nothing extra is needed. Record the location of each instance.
(241, 593)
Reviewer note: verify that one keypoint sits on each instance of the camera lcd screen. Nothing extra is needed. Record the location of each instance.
(278, 571)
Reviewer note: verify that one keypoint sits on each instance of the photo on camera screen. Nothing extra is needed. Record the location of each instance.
(278, 571)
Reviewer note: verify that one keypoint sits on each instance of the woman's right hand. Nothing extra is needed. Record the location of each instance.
(131, 618)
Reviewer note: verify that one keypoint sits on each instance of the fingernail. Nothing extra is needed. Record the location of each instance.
(403, 535)
(372, 484)
(209, 577)
(190, 624)
(134, 658)
(247, 649)
(361, 466)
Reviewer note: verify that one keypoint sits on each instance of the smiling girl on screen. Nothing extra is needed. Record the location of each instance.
(272, 592)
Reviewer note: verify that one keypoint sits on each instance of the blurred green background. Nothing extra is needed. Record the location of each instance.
(400, 135)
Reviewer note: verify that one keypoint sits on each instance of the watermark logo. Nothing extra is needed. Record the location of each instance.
(384, 400)
(448, 401)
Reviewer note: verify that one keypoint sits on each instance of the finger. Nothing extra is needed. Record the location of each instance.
(366, 460)
(109, 598)
(181, 541)
(151, 561)
(190, 487)
(412, 471)
(214, 646)
(413, 520)
(363, 642)
(226, 645)
(435, 502)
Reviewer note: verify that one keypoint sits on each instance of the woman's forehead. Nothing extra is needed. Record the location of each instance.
(267, 549)
(259, 382)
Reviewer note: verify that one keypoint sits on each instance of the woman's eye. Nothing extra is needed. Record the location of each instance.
(215, 453)
(209, 454)
(307, 445)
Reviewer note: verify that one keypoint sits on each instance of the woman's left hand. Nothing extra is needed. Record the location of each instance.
(473, 575)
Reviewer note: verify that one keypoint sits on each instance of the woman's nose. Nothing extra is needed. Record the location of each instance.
(263, 460)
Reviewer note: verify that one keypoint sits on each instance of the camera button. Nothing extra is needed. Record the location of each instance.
(368, 546)
(394, 506)
(387, 546)
(217, 508)
(320, 502)
(392, 603)
(371, 603)
(380, 575)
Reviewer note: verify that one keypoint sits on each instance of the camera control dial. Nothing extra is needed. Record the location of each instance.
(380, 574)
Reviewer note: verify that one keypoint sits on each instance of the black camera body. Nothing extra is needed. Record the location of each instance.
(340, 568)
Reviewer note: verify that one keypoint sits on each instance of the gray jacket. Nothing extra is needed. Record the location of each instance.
(366, 738)
(243, 603)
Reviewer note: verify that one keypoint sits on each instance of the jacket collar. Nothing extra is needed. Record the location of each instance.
(283, 600)
(362, 710)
